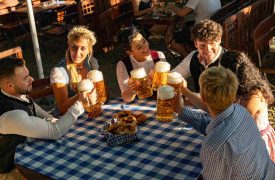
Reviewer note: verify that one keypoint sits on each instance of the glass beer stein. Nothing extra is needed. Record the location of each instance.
(144, 90)
(97, 78)
(165, 103)
(92, 107)
(174, 79)
(160, 76)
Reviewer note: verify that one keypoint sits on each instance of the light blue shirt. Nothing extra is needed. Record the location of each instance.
(233, 147)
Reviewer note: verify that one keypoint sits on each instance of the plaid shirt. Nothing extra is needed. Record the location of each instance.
(233, 148)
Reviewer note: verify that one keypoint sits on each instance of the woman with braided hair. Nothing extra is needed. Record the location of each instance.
(78, 62)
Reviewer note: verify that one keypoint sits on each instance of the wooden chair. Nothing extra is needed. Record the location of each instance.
(262, 34)
(12, 25)
(111, 21)
(64, 19)
(13, 52)
(40, 87)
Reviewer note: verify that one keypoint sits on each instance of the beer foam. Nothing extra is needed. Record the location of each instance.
(138, 73)
(162, 66)
(174, 78)
(85, 85)
(166, 92)
(95, 75)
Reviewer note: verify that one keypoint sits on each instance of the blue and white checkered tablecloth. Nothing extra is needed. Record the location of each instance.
(165, 151)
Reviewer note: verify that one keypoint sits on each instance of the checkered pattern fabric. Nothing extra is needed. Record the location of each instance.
(166, 150)
(116, 139)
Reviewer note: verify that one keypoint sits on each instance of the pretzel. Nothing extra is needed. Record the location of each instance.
(141, 118)
(123, 123)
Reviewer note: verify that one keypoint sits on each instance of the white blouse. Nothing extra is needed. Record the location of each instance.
(122, 74)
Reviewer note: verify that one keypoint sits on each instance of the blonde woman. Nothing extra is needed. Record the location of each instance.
(74, 67)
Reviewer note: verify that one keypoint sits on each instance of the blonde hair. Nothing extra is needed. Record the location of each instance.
(75, 34)
(218, 87)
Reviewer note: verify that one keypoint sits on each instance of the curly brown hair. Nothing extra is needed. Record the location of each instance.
(250, 78)
(206, 30)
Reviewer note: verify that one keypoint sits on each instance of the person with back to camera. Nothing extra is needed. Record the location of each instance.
(20, 117)
(203, 9)
(253, 93)
(78, 62)
(207, 36)
(138, 55)
(233, 147)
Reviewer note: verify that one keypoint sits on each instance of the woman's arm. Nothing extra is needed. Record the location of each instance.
(123, 78)
(255, 104)
(136, 10)
(62, 98)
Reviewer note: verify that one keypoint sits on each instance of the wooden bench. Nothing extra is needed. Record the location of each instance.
(41, 88)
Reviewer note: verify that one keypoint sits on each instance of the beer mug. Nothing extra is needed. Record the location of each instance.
(160, 75)
(97, 78)
(93, 107)
(174, 79)
(166, 103)
(144, 89)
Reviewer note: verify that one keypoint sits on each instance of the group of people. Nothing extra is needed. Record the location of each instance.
(178, 34)
(239, 143)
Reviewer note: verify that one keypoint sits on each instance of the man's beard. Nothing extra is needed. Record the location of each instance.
(23, 91)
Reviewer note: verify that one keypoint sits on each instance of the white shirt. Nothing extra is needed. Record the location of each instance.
(42, 126)
(122, 74)
(203, 9)
(58, 77)
(184, 67)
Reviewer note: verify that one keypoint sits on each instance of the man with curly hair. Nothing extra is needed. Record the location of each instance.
(206, 35)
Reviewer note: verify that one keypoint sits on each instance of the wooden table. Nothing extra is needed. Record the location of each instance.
(40, 9)
(151, 19)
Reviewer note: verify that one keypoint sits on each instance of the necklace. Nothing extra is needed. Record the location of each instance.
(79, 68)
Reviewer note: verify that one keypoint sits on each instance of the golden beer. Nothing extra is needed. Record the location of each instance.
(93, 109)
(101, 91)
(144, 89)
(174, 79)
(97, 78)
(160, 76)
(166, 103)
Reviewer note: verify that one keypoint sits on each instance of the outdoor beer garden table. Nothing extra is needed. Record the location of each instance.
(165, 151)
(38, 10)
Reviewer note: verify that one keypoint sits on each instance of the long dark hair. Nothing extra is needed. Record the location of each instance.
(250, 78)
